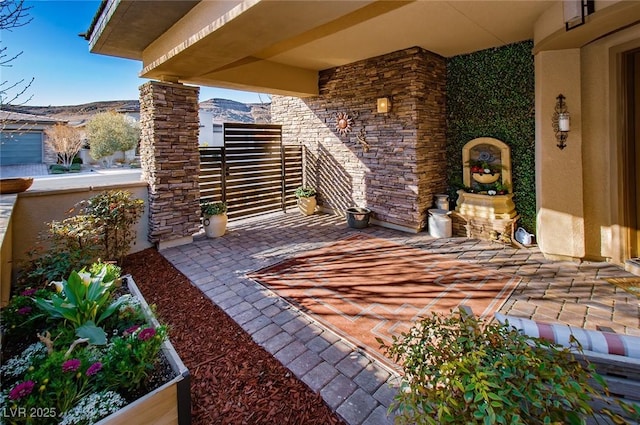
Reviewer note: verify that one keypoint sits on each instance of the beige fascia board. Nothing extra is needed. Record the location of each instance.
(601, 23)
(249, 27)
(110, 17)
(262, 76)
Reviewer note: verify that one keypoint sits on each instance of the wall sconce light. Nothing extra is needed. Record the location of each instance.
(561, 122)
(575, 12)
(384, 105)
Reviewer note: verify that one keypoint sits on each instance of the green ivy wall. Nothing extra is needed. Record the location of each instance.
(491, 94)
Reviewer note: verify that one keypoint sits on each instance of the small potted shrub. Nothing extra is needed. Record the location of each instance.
(306, 199)
(214, 218)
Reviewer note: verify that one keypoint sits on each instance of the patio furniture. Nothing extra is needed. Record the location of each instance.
(615, 357)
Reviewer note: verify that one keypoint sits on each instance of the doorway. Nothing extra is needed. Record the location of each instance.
(631, 151)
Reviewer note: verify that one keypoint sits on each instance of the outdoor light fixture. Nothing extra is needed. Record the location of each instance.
(384, 105)
(575, 11)
(560, 121)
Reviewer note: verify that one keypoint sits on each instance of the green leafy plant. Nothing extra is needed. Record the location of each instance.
(109, 132)
(462, 370)
(212, 208)
(21, 313)
(305, 192)
(112, 215)
(502, 188)
(84, 300)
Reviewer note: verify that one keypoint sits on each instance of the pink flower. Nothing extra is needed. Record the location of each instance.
(24, 310)
(131, 330)
(146, 334)
(71, 365)
(94, 368)
(21, 390)
(28, 292)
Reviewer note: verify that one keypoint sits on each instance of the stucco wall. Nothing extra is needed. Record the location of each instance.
(579, 192)
(559, 178)
(405, 164)
(34, 209)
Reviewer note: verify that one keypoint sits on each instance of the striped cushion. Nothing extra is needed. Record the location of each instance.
(591, 340)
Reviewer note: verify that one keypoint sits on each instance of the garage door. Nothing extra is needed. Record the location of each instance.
(20, 148)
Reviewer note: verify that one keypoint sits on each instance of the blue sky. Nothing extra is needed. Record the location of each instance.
(65, 72)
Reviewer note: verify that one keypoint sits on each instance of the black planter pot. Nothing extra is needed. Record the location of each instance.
(358, 218)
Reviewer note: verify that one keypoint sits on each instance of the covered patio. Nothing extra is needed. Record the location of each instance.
(357, 385)
(326, 65)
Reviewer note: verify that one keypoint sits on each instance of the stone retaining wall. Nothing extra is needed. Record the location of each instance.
(170, 159)
(404, 166)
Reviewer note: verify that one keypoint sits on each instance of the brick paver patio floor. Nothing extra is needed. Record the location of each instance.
(356, 386)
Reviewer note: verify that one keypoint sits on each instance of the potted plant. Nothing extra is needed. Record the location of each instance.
(214, 218)
(306, 199)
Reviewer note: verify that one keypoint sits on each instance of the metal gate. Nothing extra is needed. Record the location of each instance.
(253, 173)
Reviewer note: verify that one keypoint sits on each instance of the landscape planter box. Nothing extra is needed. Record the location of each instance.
(169, 404)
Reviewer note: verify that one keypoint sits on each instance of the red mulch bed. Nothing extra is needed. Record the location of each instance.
(233, 380)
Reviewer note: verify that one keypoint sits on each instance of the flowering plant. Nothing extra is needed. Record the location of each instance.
(484, 167)
(62, 376)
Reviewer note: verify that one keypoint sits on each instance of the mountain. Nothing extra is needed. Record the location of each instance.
(222, 110)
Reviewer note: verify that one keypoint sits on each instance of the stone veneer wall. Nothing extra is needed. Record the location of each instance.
(405, 165)
(170, 159)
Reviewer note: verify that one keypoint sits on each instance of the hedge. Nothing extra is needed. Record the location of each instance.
(490, 93)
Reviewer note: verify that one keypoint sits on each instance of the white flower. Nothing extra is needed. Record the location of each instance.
(86, 278)
(93, 407)
(16, 366)
(58, 284)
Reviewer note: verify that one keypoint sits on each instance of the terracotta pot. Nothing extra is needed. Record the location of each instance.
(15, 185)
(215, 225)
(307, 205)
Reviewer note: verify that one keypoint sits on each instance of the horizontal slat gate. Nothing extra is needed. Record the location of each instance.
(260, 174)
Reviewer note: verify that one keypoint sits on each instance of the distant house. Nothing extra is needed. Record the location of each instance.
(22, 139)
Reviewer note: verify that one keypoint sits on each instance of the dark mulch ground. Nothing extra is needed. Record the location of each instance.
(233, 380)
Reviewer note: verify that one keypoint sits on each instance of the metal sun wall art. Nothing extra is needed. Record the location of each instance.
(343, 123)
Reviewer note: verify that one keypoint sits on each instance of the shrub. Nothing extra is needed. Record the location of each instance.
(305, 192)
(103, 229)
(458, 369)
(109, 132)
(212, 208)
(113, 214)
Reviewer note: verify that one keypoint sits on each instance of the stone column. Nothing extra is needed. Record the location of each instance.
(170, 160)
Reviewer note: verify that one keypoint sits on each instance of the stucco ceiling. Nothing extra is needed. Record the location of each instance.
(279, 46)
